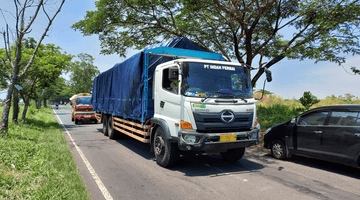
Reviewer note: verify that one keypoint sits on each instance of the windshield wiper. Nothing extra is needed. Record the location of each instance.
(233, 95)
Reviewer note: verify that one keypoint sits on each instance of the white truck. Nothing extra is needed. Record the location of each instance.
(179, 100)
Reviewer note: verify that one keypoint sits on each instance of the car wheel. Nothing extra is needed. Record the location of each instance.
(111, 131)
(166, 153)
(105, 121)
(278, 149)
(233, 154)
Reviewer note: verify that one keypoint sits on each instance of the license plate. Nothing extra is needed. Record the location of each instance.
(225, 138)
(87, 116)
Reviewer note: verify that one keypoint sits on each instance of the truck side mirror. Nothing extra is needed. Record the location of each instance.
(173, 73)
(268, 75)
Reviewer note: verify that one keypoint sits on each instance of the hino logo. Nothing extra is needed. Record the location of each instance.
(227, 116)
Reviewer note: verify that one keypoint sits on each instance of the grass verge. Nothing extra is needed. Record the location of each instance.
(36, 162)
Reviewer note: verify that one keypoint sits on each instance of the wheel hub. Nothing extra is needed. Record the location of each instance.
(159, 146)
(278, 150)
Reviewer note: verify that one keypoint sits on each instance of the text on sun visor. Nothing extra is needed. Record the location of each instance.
(219, 67)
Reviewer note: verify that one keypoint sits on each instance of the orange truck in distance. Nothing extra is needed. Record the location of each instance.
(82, 110)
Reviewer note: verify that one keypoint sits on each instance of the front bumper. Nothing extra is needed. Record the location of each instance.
(211, 141)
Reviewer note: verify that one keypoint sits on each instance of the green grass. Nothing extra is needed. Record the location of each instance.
(44, 165)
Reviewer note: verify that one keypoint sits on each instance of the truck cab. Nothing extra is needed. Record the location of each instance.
(82, 108)
(207, 106)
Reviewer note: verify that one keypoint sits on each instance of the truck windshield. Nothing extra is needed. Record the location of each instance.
(217, 81)
(81, 101)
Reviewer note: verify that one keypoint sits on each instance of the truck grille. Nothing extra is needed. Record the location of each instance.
(212, 123)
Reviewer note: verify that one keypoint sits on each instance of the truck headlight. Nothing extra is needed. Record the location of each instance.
(190, 138)
(253, 135)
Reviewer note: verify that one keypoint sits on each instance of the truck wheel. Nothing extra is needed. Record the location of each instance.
(278, 149)
(111, 131)
(166, 153)
(72, 119)
(105, 130)
(233, 154)
(76, 121)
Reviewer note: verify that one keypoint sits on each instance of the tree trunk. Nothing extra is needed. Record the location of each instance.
(16, 106)
(27, 104)
(45, 103)
(268, 65)
(38, 104)
(5, 115)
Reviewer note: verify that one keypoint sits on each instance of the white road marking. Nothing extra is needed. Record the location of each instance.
(97, 179)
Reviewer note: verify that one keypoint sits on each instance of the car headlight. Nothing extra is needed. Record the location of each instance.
(268, 130)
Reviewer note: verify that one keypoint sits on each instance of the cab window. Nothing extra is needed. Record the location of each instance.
(170, 81)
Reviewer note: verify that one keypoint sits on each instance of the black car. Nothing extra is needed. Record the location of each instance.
(329, 133)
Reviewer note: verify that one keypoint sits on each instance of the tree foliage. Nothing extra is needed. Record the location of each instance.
(82, 74)
(355, 70)
(238, 29)
(307, 100)
(59, 90)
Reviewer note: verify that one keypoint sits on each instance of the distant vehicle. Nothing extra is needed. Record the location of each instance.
(56, 106)
(329, 133)
(82, 108)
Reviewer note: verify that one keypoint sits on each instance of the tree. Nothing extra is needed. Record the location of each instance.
(48, 65)
(82, 74)
(22, 28)
(59, 90)
(307, 100)
(238, 29)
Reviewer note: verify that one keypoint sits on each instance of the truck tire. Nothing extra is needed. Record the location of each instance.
(166, 153)
(233, 154)
(105, 130)
(76, 121)
(111, 131)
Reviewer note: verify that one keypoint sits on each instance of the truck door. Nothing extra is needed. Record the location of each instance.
(167, 95)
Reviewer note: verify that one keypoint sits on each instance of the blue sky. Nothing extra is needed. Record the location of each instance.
(290, 77)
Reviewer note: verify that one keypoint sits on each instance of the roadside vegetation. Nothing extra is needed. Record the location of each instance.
(36, 162)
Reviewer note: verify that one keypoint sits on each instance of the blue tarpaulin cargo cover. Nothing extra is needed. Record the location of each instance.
(125, 90)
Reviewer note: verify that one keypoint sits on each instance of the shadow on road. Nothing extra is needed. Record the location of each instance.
(195, 165)
(323, 165)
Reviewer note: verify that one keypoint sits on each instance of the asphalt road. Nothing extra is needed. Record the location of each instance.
(125, 169)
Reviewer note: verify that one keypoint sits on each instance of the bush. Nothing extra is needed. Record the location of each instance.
(275, 114)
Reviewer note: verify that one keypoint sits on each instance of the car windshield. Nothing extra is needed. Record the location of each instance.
(217, 81)
(81, 101)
